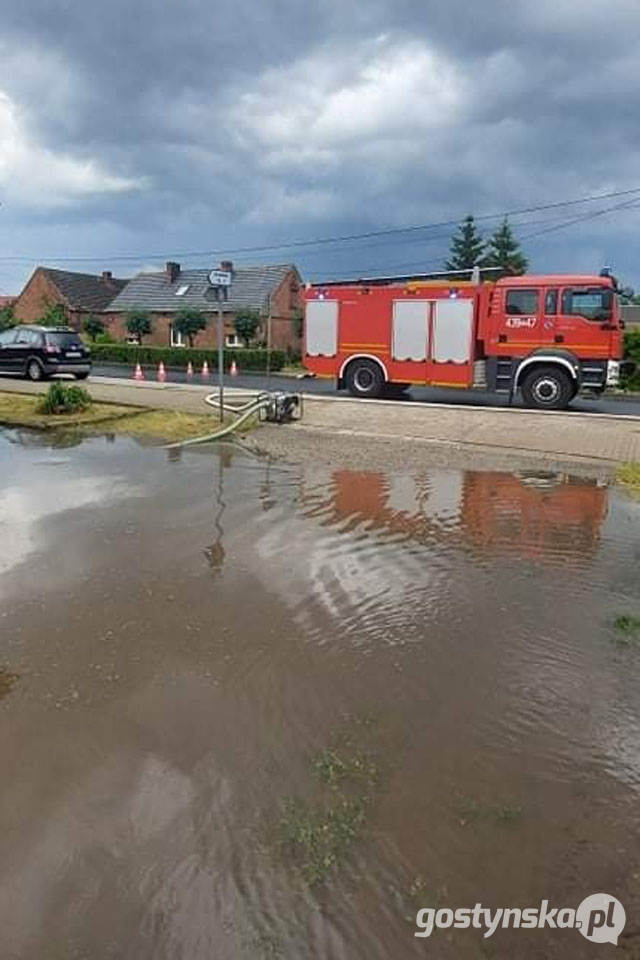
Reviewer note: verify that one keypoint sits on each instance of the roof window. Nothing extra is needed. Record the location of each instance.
(182, 289)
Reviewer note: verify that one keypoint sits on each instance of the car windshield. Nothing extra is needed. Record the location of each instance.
(64, 340)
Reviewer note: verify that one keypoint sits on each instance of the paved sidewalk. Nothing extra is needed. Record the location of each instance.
(590, 438)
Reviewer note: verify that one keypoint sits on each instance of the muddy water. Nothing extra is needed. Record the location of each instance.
(253, 710)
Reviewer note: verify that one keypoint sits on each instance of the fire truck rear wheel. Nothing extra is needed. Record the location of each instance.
(548, 388)
(364, 378)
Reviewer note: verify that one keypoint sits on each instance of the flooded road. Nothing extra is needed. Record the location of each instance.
(257, 710)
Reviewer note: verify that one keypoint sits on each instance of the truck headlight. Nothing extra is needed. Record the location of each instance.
(613, 373)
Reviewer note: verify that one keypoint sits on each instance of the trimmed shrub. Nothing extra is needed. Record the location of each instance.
(132, 353)
(632, 352)
(62, 399)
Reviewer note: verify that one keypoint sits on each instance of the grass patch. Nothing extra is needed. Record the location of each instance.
(22, 410)
(474, 811)
(629, 476)
(318, 838)
(316, 834)
(627, 629)
(7, 681)
(333, 769)
(167, 425)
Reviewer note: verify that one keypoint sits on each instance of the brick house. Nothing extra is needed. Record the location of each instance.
(273, 291)
(80, 295)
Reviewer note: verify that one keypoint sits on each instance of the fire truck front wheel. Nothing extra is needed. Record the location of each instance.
(364, 378)
(548, 388)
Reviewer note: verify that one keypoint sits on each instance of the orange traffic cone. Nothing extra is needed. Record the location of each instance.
(234, 369)
(189, 369)
(205, 369)
(138, 375)
(162, 374)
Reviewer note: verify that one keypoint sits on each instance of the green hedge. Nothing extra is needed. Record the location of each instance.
(105, 353)
(632, 352)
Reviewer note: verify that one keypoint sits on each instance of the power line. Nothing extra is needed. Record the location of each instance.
(628, 204)
(589, 216)
(297, 244)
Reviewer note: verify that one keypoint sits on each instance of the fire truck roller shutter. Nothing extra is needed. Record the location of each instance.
(410, 329)
(322, 328)
(452, 331)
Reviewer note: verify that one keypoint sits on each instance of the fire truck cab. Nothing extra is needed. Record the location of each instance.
(548, 337)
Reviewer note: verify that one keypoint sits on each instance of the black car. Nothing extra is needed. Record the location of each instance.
(39, 352)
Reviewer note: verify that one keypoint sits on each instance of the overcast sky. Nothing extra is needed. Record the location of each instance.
(149, 129)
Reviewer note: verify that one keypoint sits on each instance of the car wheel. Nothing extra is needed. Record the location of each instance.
(364, 378)
(81, 376)
(34, 371)
(547, 388)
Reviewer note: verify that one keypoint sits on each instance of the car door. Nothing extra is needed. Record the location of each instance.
(6, 341)
(20, 349)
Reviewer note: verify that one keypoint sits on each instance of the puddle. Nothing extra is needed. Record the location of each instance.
(271, 711)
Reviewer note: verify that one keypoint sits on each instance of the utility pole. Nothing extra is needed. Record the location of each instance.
(220, 280)
(269, 346)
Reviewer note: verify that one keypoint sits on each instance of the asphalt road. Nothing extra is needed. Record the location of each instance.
(476, 398)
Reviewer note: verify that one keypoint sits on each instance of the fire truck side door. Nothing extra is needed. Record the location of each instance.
(525, 325)
(584, 322)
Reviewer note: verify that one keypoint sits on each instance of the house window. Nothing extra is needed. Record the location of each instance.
(177, 339)
(233, 340)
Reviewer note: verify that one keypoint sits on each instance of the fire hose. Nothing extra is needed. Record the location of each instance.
(274, 407)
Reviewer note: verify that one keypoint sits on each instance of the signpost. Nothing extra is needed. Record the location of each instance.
(220, 280)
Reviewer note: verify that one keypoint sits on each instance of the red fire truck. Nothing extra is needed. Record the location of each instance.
(549, 337)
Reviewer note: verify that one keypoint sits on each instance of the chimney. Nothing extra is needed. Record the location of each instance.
(172, 271)
(226, 265)
(107, 277)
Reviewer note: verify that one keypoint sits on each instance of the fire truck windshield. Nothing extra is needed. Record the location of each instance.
(594, 303)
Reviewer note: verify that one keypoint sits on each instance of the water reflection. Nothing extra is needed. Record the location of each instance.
(163, 720)
(533, 514)
(215, 552)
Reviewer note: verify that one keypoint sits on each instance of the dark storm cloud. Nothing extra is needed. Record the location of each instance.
(146, 127)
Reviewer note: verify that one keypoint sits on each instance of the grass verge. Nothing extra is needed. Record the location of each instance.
(21, 410)
(629, 476)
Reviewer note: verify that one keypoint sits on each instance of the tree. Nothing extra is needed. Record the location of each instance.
(138, 323)
(467, 247)
(7, 318)
(504, 251)
(92, 327)
(189, 322)
(629, 296)
(246, 324)
(55, 316)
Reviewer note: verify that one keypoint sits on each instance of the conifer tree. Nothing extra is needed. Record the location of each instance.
(467, 247)
(504, 251)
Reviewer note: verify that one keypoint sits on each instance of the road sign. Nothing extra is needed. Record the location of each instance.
(219, 278)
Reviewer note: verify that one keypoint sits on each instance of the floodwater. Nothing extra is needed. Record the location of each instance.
(255, 710)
